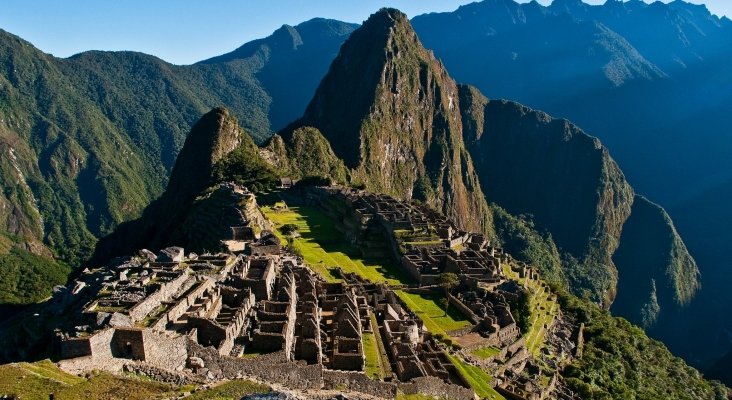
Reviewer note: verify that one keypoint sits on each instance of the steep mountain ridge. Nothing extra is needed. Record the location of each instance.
(654, 263)
(294, 59)
(612, 241)
(386, 103)
(531, 163)
(391, 112)
(216, 135)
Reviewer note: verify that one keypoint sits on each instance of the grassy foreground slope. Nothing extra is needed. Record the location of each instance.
(40, 379)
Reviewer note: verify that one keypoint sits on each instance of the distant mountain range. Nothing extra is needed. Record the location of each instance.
(652, 81)
(94, 138)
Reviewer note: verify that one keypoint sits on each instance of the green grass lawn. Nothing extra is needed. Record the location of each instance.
(485, 352)
(322, 246)
(371, 351)
(38, 380)
(427, 307)
(478, 379)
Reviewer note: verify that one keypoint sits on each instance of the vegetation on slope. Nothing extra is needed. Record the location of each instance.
(520, 238)
(40, 379)
(215, 140)
(305, 153)
(97, 134)
(654, 264)
(620, 362)
(27, 277)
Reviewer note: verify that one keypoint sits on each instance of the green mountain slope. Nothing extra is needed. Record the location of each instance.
(92, 139)
(654, 264)
(215, 150)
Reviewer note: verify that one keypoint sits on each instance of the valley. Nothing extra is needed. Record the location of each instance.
(335, 210)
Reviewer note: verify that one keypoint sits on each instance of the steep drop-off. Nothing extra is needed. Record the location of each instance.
(566, 181)
(530, 163)
(391, 112)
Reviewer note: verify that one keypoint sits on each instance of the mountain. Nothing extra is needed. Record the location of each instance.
(652, 82)
(293, 61)
(215, 142)
(89, 141)
(403, 127)
(390, 111)
(395, 121)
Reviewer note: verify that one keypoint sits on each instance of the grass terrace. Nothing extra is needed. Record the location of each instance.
(373, 360)
(322, 246)
(478, 379)
(231, 390)
(427, 307)
(543, 311)
(485, 352)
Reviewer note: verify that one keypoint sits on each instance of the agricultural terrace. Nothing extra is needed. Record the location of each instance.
(427, 307)
(478, 379)
(321, 245)
(544, 308)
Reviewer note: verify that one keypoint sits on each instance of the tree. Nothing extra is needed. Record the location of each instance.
(289, 229)
(448, 281)
(444, 303)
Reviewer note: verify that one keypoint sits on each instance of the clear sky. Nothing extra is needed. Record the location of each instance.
(186, 31)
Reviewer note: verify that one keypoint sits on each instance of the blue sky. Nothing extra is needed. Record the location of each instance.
(186, 31)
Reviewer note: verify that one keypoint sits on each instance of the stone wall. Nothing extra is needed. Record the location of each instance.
(153, 301)
(128, 343)
(75, 347)
(101, 343)
(454, 301)
(358, 382)
(436, 387)
(272, 367)
(166, 351)
(179, 308)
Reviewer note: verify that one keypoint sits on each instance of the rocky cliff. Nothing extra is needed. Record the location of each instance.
(530, 163)
(391, 112)
(655, 268)
(566, 182)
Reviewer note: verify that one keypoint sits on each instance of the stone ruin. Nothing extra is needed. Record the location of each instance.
(260, 311)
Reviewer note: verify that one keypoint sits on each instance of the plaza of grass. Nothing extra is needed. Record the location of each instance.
(322, 247)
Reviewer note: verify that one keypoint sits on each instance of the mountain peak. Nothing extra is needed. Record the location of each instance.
(214, 136)
(391, 113)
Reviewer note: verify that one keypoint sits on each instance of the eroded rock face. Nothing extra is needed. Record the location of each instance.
(530, 163)
(392, 113)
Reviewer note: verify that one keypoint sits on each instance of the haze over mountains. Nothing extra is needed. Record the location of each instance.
(95, 136)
